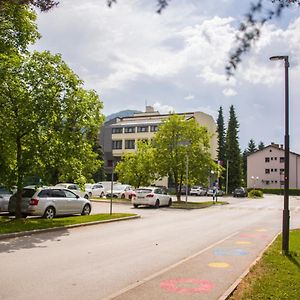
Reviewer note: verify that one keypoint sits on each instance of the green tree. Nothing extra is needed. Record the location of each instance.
(261, 146)
(251, 147)
(221, 142)
(177, 141)
(233, 153)
(47, 121)
(138, 168)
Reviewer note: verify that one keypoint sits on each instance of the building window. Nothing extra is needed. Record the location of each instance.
(272, 170)
(270, 150)
(271, 158)
(267, 181)
(267, 171)
(117, 130)
(267, 159)
(275, 158)
(275, 181)
(281, 171)
(153, 128)
(282, 159)
(275, 170)
(142, 129)
(117, 144)
(129, 144)
(129, 129)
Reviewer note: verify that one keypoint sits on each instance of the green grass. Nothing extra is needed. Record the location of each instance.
(195, 205)
(275, 276)
(10, 225)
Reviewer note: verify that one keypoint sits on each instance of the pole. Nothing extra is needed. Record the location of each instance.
(187, 178)
(227, 166)
(286, 213)
(111, 188)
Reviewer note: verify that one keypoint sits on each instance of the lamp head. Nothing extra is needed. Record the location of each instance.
(279, 57)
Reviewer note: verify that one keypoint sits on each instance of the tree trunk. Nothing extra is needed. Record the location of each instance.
(19, 179)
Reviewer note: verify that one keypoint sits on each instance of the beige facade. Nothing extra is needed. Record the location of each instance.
(265, 168)
(127, 131)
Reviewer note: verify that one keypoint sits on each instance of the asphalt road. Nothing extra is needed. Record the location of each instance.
(95, 262)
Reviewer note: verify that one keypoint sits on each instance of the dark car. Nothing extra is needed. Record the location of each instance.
(239, 192)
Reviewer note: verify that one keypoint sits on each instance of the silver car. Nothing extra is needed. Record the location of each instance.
(74, 188)
(50, 202)
(5, 194)
(151, 196)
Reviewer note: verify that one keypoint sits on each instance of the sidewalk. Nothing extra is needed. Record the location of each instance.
(210, 274)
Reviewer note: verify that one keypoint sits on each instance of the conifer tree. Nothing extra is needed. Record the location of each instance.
(261, 146)
(233, 153)
(221, 143)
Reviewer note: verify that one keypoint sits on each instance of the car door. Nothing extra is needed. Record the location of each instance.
(58, 197)
(74, 203)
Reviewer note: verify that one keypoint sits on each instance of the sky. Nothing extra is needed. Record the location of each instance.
(175, 61)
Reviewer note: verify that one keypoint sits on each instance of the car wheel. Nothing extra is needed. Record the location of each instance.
(123, 196)
(135, 205)
(170, 203)
(24, 216)
(102, 195)
(156, 204)
(49, 213)
(86, 196)
(86, 210)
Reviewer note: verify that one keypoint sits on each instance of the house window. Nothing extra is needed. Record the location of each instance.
(282, 159)
(267, 159)
(117, 144)
(267, 181)
(142, 129)
(129, 129)
(281, 171)
(267, 171)
(275, 158)
(129, 144)
(271, 158)
(275, 170)
(153, 128)
(117, 130)
(275, 181)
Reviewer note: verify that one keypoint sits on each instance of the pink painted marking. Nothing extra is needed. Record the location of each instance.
(173, 285)
(248, 235)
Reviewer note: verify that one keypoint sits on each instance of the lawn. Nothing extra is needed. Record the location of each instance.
(275, 276)
(10, 225)
(195, 205)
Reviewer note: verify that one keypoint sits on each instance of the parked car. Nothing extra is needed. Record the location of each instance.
(151, 196)
(121, 191)
(96, 190)
(183, 190)
(75, 188)
(239, 192)
(49, 202)
(198, 191)
(5, 194)
(210, 192)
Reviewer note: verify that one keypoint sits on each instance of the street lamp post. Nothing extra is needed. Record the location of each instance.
(286, 213)
(111, 187)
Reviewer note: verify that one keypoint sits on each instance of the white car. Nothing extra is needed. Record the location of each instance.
(151, 196)
(5, 194)
(96, 190)
(121, 191)
(198, 191)
(74, 188)
(49, 202)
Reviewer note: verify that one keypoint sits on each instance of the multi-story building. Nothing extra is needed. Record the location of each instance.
(265, 168)
(120, 135)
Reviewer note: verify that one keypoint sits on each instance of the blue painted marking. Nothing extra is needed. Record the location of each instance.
(230, 252)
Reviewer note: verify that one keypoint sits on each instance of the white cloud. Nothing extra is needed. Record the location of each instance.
(162, 108)
(228, 92)
(189, 97)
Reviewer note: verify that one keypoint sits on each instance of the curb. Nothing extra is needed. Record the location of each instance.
(234, 286)
(31, 232)
(108, 201)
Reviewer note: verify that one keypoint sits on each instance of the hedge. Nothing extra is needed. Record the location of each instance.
(292, 192)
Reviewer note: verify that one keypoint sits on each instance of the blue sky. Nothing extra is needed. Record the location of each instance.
(175, 61)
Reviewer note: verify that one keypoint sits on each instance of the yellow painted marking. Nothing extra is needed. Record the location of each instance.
(261, 230)
(218, 265)
(243, 243)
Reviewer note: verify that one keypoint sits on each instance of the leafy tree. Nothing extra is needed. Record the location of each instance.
(47, 120)
(221, 141)
(233, 151)
(178, 140)
(17, 28)
(261, 146)
(138, 168)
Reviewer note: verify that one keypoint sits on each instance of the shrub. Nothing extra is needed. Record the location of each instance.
(255, 194)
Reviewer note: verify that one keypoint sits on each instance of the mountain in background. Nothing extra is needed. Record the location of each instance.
(122, 114)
